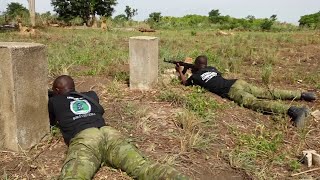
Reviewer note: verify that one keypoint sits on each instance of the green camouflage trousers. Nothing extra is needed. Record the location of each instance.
(93, 147)
(259, 99)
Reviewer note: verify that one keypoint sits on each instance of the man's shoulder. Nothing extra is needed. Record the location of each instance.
(58, 97)
(201, 71)
(51, 99)
(57, 100)
(210, 68)
(90, 93)
(63, 98)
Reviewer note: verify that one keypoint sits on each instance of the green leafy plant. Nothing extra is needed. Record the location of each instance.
(310, 20)
(195, 101)
(294, 165)
(193, 33)
(267, 23)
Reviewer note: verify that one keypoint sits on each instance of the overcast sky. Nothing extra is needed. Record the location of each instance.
(287, 10)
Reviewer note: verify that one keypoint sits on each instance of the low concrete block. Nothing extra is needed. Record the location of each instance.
(308, 157)
(23, 95)
(144, 55)
(316, 159)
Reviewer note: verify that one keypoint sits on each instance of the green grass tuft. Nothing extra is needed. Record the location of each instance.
(195, 101)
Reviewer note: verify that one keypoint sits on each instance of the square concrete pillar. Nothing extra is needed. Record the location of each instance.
(23, 95)
(144, 53)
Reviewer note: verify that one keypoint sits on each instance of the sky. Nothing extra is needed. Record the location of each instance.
(286, 10)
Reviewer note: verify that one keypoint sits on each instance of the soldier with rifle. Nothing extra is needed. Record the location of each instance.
(243, 93)
(91, 142)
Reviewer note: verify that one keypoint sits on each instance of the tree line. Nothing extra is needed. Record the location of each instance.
(86, 11)
(216, 19)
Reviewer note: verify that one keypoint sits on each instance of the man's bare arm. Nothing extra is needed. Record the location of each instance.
(182, 76)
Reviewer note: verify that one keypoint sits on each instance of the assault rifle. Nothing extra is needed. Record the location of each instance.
(180, 63)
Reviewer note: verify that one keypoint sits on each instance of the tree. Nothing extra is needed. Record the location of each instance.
(250, 18)
(46, 17)
(214, 16)
(273, 17)
(130, 12)
(214, 13)
(267, 23)
(16, 10)
(85, 9)
(155, 16)
(310, 20)
(120, 17)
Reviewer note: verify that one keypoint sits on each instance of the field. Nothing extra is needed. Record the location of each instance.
(199, 133)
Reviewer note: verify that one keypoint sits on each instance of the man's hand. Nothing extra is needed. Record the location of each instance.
(181, 74)
(178, 69)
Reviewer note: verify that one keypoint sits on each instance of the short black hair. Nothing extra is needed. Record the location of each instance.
(201, 60)
(64, 81)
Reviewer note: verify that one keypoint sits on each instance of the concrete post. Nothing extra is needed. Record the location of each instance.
(144, 55)
(23, 95)
(32, 11)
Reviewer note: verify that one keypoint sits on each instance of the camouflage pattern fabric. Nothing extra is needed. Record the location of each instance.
(93, 147)
(259, 99)
(84, 155)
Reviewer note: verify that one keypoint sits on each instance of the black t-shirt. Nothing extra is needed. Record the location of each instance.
(210, 78)
(73, 114)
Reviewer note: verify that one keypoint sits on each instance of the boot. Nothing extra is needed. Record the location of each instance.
(308, 96)
(298, 115)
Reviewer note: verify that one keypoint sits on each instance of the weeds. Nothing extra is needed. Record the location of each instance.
(55, 131)
(234, 64)
(192, 133)
(92, 52)
(256, 150)
(170, 160)
(5, 175)
(187, 121)
(196, 101)
(121, 76)
(266, 74)
(263, 145)
(113, 90)
(135, 112)
(294, 165)
(132, 110)
(197, 140)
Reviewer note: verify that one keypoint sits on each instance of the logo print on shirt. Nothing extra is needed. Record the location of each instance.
(208, 75)
(80, 106)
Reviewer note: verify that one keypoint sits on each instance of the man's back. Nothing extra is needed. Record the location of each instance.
(75, 113)
(210, 78)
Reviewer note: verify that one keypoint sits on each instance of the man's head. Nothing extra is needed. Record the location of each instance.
(63, 84)
(200, 63)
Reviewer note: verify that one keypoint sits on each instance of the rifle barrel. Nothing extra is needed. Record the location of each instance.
(181, 63)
